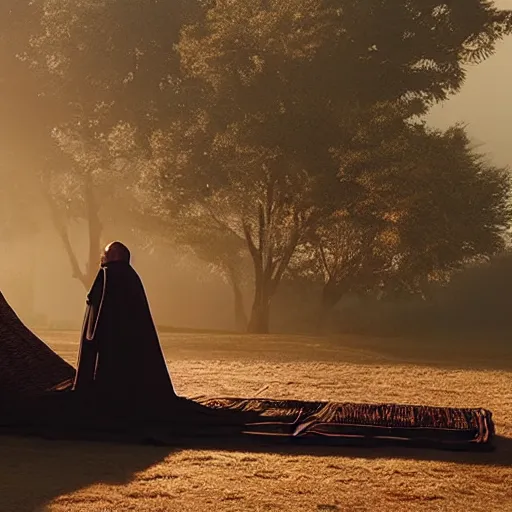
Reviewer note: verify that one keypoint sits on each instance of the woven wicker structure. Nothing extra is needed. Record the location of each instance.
(27, 365)
(342, 422)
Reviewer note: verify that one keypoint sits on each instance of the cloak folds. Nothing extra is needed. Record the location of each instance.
(120, 360)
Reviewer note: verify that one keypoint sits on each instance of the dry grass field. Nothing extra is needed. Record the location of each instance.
(95, 477)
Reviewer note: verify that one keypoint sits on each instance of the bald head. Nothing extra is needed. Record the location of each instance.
(115, 251)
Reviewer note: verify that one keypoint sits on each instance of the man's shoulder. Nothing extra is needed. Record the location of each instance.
(121, 272)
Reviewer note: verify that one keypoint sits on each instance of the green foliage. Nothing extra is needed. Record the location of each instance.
(285, 94)
(427, 205)
(92, 72)
(363, 52)
(255, 128)
(112, 60)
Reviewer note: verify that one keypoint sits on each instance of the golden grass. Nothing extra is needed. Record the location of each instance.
(76, 477)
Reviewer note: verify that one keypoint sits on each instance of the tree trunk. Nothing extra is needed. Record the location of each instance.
(239, 308)
(94, 230)
(241, 321)
(260, 318)
(269, 268)
(331, 295)
(260, 314)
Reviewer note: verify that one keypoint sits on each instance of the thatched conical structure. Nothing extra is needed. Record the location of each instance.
(27, 365)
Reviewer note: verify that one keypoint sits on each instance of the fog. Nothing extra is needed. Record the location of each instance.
(484, 103)
(35, 271)
(36, 278)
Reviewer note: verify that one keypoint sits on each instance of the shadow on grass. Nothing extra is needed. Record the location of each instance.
(34, 471)
(499, 454)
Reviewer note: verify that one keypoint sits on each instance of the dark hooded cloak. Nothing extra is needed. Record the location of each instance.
(120, 358)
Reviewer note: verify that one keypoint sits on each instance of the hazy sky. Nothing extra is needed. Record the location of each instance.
(485, 103)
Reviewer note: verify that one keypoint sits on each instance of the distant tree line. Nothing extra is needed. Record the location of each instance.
(276, 139)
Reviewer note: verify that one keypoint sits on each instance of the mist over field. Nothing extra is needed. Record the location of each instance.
(188, 155)
(36, 279)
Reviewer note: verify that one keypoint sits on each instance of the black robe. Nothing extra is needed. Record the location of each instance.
(121, 361)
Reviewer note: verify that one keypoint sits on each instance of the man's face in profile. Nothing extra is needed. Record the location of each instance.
(105, 257)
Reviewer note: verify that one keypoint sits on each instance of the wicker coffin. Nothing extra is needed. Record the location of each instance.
(357, 422)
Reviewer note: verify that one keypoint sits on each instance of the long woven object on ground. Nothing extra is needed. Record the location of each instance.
(227, 420)
(27, 365)
(349, 420)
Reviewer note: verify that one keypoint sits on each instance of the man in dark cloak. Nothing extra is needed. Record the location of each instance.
(121, 362)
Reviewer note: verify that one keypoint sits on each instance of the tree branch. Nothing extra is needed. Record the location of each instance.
(223, 224)
(253, 250)
(323, 259)
(60, 226)
(285, 260)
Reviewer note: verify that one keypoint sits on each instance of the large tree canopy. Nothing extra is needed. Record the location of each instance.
(281, 93)
(81, 82)
(247, 126)
(427, 204)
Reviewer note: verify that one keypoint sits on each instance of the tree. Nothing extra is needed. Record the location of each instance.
(454, 208)
(247, 110)
(255, 150)
(95, 186)
(111, 61)
(99, 66)
(265, 209)
(223, 251)
(434, 206)
(344, 255)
